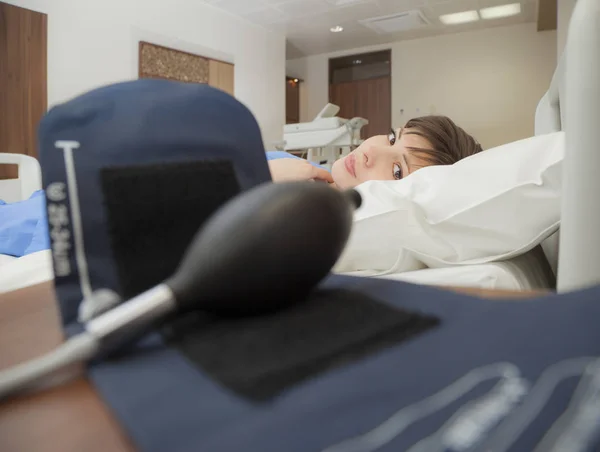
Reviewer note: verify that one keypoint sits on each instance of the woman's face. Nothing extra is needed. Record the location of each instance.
(382, 157)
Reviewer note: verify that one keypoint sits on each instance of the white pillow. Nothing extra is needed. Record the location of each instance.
(488, 207)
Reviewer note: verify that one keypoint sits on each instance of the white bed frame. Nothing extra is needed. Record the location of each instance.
(29, 178)
(579, 245)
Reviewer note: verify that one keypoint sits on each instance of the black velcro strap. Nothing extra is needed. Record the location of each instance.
(258, 357)
(153, 212)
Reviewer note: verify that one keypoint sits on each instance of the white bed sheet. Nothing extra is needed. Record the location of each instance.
(17, 273)
(5, 259)
(529, 271)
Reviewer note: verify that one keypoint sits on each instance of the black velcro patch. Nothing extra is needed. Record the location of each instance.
(153, 212)
(258, 357)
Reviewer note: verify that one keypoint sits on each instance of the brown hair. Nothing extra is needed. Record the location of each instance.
(449, 142)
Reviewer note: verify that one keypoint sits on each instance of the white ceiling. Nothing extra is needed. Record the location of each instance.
(307, 23)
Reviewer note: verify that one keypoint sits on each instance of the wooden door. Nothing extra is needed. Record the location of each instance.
(369, 99)
(292, 101)
(23, 91)
(344, 96)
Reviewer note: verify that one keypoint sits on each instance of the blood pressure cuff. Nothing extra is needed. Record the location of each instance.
(363, 365)
(130, 172)
(447, 372)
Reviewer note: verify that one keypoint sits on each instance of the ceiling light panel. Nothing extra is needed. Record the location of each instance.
(496, 12)
(459, 18)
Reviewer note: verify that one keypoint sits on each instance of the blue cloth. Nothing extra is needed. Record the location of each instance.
(23, 226)
(274, 155)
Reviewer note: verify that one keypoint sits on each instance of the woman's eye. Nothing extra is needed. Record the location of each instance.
(397, 172)
(392, 137)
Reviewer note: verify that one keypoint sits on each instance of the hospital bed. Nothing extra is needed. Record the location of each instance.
(576, 83)
(572, 105)
(538, 268)
(326, 138)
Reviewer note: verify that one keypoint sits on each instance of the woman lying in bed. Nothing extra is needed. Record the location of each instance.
(424, 141)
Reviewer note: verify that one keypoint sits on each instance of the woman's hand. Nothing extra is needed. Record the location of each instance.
(285, 170)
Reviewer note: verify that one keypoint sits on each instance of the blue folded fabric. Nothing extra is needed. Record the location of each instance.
(23, 226)
(274, 155)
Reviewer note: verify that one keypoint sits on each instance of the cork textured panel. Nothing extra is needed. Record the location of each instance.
(161, 62)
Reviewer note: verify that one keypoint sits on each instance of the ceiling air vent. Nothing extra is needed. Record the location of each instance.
(409, 20)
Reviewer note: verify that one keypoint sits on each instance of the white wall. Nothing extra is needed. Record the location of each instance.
(565, 9)
(488, 81)
(92, 43)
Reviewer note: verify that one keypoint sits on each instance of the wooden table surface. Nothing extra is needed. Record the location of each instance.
(71, 418)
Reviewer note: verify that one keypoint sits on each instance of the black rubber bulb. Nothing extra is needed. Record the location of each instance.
(265, 249)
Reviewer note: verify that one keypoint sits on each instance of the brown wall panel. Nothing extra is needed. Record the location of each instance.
(23, 89)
